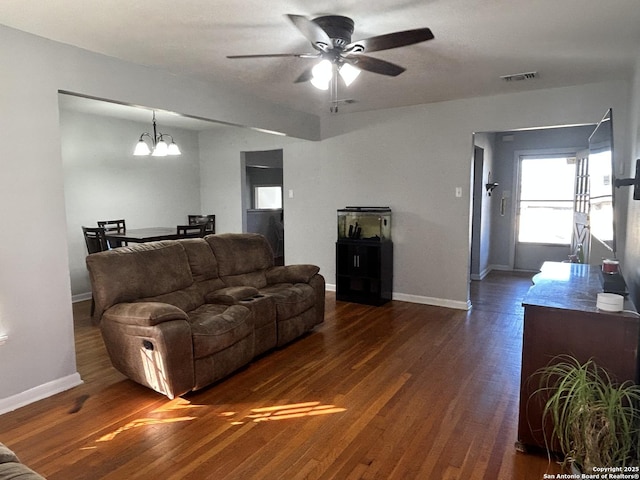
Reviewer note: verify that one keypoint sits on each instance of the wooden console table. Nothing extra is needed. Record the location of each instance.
(560, 317)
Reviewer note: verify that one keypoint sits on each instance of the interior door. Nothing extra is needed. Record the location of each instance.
(581, 237)
(545, 206)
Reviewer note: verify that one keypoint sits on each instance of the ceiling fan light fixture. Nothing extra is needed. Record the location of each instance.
(349, 73)
(320, 85)
(322, 74)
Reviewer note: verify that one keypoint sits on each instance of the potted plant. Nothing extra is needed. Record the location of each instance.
(596, 421)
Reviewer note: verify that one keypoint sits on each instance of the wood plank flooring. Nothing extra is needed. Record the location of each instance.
(402, 391)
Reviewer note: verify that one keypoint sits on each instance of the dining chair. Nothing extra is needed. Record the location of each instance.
(209, 220)
(96, 242)
(114, 226)
(94, 239)
(193, 230)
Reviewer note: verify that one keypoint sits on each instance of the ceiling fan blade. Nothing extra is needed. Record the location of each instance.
(312, 32)
(276, 55)
(305, 76)
(375, 65)
(391, 40)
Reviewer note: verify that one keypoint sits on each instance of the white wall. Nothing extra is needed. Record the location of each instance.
(104, 181)
(35, 293)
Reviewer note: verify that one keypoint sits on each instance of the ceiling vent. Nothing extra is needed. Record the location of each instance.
(516, 77)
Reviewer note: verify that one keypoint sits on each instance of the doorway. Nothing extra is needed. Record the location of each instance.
(262, 200)
(544, 217)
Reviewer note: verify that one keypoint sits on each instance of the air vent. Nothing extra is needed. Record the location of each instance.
(516, 77)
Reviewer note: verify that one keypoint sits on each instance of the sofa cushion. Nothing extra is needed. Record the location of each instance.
(144, 270)
(216, 327)
(291, 299)
(186, 299)
(231, 295)
(253, 279)
(291, 273)
(203, 263)
(242, 258)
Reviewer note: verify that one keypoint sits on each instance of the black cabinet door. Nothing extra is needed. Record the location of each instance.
(359, 273)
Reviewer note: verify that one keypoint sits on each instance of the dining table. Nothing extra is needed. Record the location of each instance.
(148, 234)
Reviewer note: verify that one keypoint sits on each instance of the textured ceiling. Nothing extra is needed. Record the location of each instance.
(567, 42)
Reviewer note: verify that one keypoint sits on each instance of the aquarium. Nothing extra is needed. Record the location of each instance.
(371, 224)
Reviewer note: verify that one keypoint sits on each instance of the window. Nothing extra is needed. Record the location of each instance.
(546, 200)
(268, 197)
(601, 212)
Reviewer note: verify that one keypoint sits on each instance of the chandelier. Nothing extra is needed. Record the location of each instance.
(159, 147)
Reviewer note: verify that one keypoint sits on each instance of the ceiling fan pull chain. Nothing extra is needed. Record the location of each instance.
(334, 90)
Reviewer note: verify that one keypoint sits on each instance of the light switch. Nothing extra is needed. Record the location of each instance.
(459, 192)
(290, 193)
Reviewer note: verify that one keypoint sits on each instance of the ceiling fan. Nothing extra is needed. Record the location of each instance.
(330, 36)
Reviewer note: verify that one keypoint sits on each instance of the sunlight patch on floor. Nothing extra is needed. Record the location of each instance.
(285, 412)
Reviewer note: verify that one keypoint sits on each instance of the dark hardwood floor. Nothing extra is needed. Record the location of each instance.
(402, 391)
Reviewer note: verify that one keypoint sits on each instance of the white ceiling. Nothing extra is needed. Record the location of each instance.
(567, 42)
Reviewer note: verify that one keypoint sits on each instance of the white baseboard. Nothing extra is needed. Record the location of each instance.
(502, 268)
(437, 302)
(38, 393)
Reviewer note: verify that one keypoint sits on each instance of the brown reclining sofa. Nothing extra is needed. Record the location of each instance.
(179, 315)
(12, 469)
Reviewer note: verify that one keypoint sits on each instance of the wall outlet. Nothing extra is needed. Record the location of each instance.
(458, 192)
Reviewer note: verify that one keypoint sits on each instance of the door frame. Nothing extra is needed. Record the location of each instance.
(542, 152)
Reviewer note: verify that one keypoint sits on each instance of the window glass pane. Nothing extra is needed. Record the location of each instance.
(268, 197)
(547, 178)
(546, 200)
(600, 174)
(546, 222)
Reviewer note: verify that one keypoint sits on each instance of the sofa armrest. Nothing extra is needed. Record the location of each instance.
(230, 295)
(152, 344)
(11, 467)
(300, 273)
(144, 313)
(7, 455)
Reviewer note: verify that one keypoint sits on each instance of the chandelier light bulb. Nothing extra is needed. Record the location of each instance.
(161, 149)
(141, 148)
(173, 149)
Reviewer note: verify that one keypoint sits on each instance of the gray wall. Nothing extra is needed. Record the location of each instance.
(483, 208)
(508, 147)
(629, 220)
(38, 358)
(410, 159)
(103, 181)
